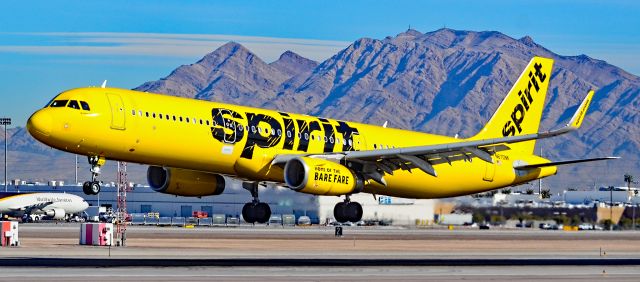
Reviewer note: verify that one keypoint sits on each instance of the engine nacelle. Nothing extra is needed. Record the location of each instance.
(321, 177)
(56, 213)
(184, 182)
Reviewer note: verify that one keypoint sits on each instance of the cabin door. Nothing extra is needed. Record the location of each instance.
(117, 111)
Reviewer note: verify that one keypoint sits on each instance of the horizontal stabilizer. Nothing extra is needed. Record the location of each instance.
(532, 166)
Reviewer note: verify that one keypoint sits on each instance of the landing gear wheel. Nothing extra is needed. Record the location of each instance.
(91, 187)
(85, 187)
(339, 212)
(248, 214)
(94, 188)
(347, 211)
(262, 212)
(256, 212)
(353, 212)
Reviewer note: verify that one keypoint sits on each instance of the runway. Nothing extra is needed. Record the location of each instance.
(295, 254)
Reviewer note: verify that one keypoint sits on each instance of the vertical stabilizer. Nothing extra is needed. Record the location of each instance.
(521, 111)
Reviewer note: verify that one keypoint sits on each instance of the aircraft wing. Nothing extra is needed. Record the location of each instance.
(29, 209)
(424, 157)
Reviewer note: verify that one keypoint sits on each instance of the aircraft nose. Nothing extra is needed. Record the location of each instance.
(40, 123)
(85, 205)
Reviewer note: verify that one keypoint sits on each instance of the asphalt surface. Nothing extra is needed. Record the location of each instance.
(50, 252)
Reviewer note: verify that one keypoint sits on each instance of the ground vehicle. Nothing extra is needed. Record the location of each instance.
(275, 220)
(200, 214)
(304, 220)
(92, 213)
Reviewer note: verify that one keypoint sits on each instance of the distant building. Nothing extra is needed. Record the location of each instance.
(591, 197)
(142, 199)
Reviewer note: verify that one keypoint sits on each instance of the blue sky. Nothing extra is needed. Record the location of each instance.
(49, 46)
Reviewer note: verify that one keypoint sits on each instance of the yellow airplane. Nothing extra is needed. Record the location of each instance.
(190, 144)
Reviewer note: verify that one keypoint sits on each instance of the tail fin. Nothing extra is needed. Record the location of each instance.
(521, 111)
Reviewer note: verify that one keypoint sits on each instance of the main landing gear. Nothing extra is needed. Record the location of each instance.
(93, 187)
(347, 211)
(255, 211)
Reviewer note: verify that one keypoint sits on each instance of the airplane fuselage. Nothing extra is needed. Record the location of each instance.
(242, 141)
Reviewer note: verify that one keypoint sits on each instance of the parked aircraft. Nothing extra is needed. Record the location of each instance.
(39, 205)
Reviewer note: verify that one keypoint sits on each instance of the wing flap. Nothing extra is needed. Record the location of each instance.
(532, 166)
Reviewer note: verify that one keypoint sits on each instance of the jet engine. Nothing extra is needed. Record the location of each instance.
(184, 182)
(321, 177)
(56, 213)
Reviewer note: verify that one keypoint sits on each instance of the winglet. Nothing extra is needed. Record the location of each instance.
(104, 84)
(578, 117)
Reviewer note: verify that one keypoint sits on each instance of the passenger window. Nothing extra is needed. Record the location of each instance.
(85, 106)
(207, 122)
(174, 118)
(253, 129)
(325, 139)
(187, 119)
(73, 104)
(279, 132)
(350, 143)
(140, 112)
(273, 132)
(147, 114)
(375, 146)
(167, 116)
(133, 112)
(200, 121)
(331, 139)
(306, 136)
(288, 134)
(160, 116)
(59, 103)
(153, 115)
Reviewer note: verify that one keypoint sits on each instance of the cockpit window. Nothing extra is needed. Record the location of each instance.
(49, 103)
(73, 104)
(85, 105)
(59, 103)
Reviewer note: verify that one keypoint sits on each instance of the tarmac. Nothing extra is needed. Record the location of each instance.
(50, 252)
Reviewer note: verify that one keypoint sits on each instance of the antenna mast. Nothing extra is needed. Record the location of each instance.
(121, 211)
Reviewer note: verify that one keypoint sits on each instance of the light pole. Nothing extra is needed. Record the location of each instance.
(5, 122)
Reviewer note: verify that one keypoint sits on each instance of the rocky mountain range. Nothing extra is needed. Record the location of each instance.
(444, 82)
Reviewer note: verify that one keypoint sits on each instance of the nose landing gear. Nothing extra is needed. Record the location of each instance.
(255, 211)
(93, 187)
(347, 211)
